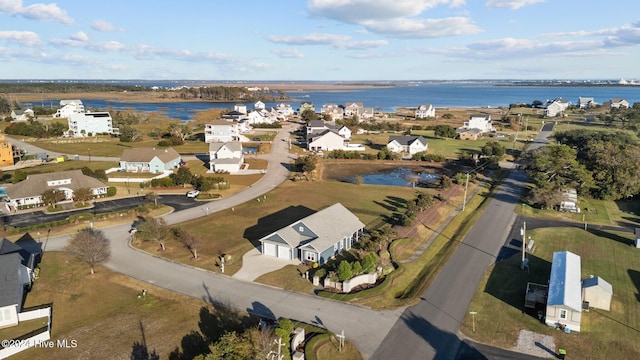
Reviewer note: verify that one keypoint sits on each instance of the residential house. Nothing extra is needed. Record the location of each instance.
(619, 103)
(8, 152)
(425, 111)
(262, 116)
(315, 238)
(221, 131)
(150, 160)
(327, 140)
(564, 301)
(91, 123)
(556, 107)
(475, 127)
(586, 102)
(29, 250)
(334, 111)
(22, 115)
(344, 131)
(13, 279)
(68, 107)
(225, 157)
(241, 108)
(29, 191)
(367, 114)
(353, 109)
(316, 126)
(284, 110)
(258, 105)
(597, 292)
(407, 144)
(307, 106)
(234, 116)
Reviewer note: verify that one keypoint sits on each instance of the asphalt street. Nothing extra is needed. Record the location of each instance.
(429, 329)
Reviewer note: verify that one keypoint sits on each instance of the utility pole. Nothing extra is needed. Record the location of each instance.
(466, 185)
(523, 231)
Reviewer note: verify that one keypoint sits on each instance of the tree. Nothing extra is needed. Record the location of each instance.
(345, 271)
(445, 131)
(445, 182)
(306, 164)
(51, 196)
(357, 268)
(129, 134)
(190, 241)
(369, 263)
(90, 246)
(232, 346)
(153, 229)
(182, 177)
(83, 195)
(153, 196)
(308, 115)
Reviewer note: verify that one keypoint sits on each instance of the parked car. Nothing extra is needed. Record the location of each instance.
(193, 193)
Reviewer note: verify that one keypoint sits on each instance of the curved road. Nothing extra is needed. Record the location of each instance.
(365, 328)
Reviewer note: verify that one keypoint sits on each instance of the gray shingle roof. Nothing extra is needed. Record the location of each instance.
(36, 184)
(329, 225)
(147, 154)
(10, 280)
(407, 139)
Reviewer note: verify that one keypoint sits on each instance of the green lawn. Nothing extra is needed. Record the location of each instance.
(604, 334)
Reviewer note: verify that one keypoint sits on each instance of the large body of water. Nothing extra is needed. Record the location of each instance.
(440, 95)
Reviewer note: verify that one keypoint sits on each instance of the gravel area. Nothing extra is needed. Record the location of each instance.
(536, 344)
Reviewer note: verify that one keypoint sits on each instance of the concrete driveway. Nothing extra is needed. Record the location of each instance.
(254, 264)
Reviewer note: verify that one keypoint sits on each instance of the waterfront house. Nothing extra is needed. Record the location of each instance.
(68, 107)
(425, 111)
(221, 131)
(315, 238)
(586, 102)
(556, 107)
(475, 127)
(29, 192)
(284, 110)
(150, 160)
(258, 105)
(353, 109)
(307, 106)
(241, 108)
(564, 301)
(407, 144)
(619, 103)
(22, 115)
(334, 111)
(262, 116)
(226, 157)
(90, 124)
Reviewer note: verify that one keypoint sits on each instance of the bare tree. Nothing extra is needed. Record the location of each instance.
(153, 229)
(189, 240)
(153, 196)
(90, 246)
(83, 195)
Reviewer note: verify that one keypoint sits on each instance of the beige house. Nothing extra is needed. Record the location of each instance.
(597, 293)
(564, 301)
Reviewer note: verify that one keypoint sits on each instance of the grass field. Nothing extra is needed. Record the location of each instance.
(604, 334)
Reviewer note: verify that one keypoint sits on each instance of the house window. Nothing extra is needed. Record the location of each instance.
(563, 314)
(311, 256)
(301, 229)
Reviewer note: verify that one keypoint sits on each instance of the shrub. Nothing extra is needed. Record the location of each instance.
(345, 272)
(320, 273)
(388, 269)
(111, 191)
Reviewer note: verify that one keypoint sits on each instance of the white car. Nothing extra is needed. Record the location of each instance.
(193, 193)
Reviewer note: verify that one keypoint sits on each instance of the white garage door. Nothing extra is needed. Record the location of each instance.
(284, 252)
(269, 249)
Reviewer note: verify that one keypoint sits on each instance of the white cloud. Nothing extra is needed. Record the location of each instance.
(362, 45)
(26, 38)
(309, 39)
(79, 36)
(395, 18)
(40, 11)
(511, 4)
(288, 53)
(423, 28)
(356, 11)
(103, 25)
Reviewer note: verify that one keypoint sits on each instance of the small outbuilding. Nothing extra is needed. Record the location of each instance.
(597, 292)
(569, 201)
(636, 242)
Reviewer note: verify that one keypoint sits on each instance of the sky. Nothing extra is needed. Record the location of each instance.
(320, 40)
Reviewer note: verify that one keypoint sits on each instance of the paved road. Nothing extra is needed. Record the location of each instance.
(363, 327)
(429, 329)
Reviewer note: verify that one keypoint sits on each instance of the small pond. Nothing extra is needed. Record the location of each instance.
(396, 177)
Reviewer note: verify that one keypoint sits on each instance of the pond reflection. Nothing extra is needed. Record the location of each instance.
(397, 177)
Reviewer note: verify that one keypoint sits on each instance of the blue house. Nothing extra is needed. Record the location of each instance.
(315, 238)
(149, 160)
(564, 302)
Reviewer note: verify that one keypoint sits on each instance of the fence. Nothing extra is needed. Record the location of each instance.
(33, 338)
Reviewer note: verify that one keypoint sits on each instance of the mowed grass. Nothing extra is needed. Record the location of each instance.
(604, 334)
(236, 231)
(104, 314)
